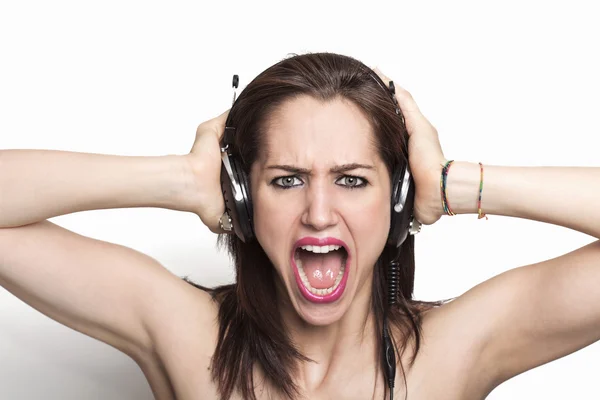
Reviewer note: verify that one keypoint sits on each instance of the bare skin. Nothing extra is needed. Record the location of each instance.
(507, 325)
(447, 367)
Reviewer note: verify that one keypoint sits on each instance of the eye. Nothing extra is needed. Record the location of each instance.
(352, 181)
(286, 182)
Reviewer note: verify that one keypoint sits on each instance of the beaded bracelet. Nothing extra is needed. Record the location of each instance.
(481, 214)
(444, 191)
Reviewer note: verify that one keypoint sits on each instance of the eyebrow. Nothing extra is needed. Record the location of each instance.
(336, 169)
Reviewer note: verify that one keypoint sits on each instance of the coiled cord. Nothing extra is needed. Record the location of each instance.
(393, 283)
(389, 355)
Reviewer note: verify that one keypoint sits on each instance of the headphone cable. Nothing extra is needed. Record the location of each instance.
(389, 354)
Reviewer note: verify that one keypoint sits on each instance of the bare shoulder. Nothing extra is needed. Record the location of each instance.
(182, 322)
(180, 316)
(451, 353)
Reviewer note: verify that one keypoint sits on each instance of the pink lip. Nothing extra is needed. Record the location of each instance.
(337, 293)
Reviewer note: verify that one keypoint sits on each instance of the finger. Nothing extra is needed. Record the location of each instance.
(412, 114)
(214, 126)
(223, 117)
(219, 123)
(214, 227)
(407, 103)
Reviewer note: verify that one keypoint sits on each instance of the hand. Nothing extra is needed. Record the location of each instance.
(425, 157)
(205, 164)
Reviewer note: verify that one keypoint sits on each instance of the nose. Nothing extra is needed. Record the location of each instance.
(320, 211)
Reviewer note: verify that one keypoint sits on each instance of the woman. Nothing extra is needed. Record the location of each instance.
(266, 336)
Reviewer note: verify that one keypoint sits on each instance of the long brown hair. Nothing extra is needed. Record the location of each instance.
(251, 330)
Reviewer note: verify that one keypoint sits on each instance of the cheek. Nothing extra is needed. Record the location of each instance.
(374, 221)
(376, 209)
(370, 228)
(270, 215)
(272, 223)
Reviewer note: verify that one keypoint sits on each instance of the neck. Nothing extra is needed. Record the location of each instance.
(351, 340)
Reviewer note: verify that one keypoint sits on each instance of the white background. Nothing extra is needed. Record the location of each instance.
(513, 84)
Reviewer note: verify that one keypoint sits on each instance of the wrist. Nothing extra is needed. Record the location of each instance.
(182, 185)
(152, 181)
(462, 186)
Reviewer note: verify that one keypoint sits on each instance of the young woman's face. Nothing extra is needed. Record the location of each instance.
(352, 206)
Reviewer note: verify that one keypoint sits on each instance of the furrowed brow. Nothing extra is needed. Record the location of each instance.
(336, 169)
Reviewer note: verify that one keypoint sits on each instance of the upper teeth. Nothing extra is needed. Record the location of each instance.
(321, 249)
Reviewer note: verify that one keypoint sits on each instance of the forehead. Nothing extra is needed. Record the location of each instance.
(310, 133)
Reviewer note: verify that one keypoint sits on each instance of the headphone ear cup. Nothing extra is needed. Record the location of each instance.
(240, 210)
(400, 220)
(247, 219)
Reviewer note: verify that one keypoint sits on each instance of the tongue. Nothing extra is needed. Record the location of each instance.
(321, 269)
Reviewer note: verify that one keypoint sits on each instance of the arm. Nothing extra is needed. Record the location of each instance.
(107, 291)
(40, 184)
(531, 315)
(527, 316)
(110, 292)
(565, 196)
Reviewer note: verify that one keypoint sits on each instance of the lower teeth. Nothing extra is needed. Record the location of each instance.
(320, 292)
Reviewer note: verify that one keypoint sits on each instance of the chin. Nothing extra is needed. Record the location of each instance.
(320, 315)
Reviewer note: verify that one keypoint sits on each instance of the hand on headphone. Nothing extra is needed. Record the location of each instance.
(425, 157)
(206, 198)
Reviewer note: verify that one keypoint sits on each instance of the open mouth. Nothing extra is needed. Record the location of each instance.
(321, 272)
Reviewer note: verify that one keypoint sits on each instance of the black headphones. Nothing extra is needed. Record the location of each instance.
(238, 203)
